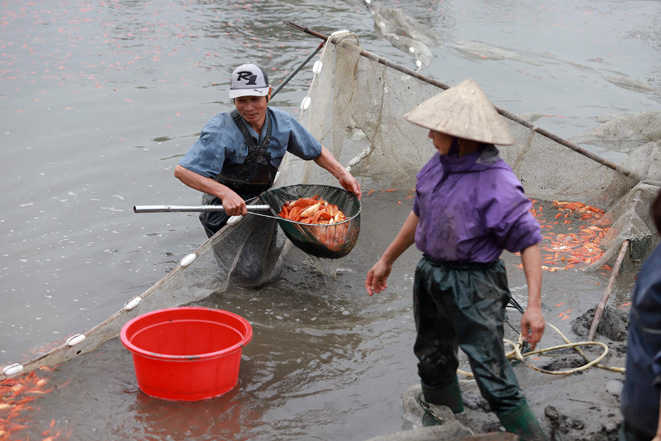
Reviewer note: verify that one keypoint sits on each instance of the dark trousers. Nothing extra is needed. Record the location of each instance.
(463, 305)
(628, 432)
(213, 221)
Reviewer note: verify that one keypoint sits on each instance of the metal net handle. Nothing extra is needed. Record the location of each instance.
(279, 218)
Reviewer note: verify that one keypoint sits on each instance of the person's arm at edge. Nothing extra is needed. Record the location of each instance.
(377, 277)
(233, 204)
(327, 161)
(532, 321)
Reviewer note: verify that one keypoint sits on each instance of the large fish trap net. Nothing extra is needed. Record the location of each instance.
(330, 241)
(357, 103)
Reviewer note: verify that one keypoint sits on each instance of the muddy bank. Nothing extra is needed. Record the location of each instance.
(578, 406)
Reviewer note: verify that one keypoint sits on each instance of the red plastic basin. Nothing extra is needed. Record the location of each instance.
(188, 353)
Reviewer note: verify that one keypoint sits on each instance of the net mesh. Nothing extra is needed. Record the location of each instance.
(243, 253)
(326, 241)
(356, 111)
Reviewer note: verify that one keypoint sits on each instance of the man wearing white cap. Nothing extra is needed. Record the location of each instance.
(468, 207)
(238, 153)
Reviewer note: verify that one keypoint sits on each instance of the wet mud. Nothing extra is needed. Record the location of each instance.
(329, 362)
(578, 406)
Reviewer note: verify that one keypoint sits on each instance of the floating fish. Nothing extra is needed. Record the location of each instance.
(15, 396)
(312, 210)
(326, 221)
(565, 249)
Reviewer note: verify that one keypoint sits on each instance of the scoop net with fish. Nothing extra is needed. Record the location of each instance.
(330, 241)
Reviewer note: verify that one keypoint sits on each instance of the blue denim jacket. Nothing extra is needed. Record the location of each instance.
(220, 139)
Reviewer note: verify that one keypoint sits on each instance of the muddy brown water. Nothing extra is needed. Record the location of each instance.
(327, 361)
(99, 101)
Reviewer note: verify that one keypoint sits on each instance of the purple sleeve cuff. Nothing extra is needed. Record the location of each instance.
(516, 229)
(523, 235)
(416, 207)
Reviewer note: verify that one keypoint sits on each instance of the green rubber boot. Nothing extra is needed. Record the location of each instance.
(522, 422)
(449, 395)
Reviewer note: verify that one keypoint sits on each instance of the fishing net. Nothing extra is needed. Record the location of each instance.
(404, 32)
(331, 241)
(356, 106)
(623, 133)
(357, 103)
(245, 252)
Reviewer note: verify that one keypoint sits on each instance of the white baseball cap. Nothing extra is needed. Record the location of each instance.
(249, 80)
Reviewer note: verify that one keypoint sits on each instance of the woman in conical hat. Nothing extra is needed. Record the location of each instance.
(469, 207)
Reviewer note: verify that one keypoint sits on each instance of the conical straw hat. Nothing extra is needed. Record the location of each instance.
(465, 112)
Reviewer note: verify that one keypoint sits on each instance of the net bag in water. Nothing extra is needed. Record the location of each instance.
(331, 241)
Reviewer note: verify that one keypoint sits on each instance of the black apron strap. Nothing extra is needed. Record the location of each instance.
(249, 179)
(253, 149)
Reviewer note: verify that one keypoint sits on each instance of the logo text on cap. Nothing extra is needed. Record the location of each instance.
(246, 75)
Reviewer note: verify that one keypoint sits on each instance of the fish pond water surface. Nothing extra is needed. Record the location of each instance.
(100, 99)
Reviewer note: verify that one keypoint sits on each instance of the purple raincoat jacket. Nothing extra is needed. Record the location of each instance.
(471, 208)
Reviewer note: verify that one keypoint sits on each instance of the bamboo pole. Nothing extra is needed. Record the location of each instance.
(504, 113)
(607, 292)
(291, 75)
